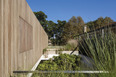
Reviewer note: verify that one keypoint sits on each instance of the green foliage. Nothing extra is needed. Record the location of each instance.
(70, 47)
(48, 65)
(72, 28)
(61, 62)
(59, 51)
(58, 33)
(102, 51)
(53, 30)
(67, 62)
(100, 22)
(44, 50)
(41, 16)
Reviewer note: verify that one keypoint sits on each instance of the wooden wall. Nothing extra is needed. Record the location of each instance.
(22, 38)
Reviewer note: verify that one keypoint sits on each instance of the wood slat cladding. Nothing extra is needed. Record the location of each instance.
(26, 35)
(22, 38)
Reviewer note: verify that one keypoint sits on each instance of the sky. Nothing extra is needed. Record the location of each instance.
(89, 10)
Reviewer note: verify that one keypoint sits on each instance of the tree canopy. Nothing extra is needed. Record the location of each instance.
(100, 22)
(72, 28)
(59, 33)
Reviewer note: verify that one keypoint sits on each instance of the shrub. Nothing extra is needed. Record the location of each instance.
(71, 45)
(44, 51)
(103, 52)
(63, 62)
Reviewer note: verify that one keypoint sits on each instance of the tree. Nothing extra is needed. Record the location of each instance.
(54, 30)
(69, 32)
(59, 33)
(73, 28)
(80, 25)
(100, 22)
(90, 25)
(47, 25)
(41, 16)
(51, 29)
(107, 21)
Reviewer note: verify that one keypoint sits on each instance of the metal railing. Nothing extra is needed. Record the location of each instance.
(60, 72)
(99, 32)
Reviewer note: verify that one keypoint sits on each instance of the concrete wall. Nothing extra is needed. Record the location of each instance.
(22, 38)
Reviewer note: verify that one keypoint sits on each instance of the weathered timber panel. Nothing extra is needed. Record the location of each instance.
(26, 33)
(22, 38)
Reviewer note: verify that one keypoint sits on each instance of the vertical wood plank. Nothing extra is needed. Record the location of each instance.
(1, 38)
(9, 37)
(12, 36)
(6, 38)
(10, 27)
